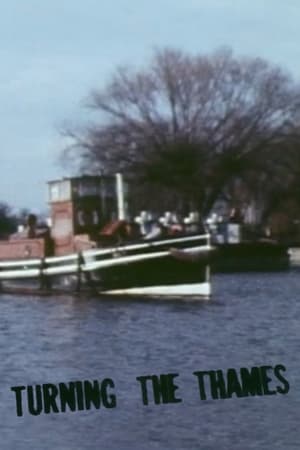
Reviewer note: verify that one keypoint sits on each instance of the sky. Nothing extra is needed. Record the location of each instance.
(54, 52)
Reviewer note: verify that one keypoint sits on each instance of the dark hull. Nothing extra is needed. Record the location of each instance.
(250, 257)
(161, 271)
(169, 266)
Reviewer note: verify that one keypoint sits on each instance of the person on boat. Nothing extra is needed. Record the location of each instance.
(133, 231)
(144, 221)
(194, 223)
(175, 228)
(31, 231)
(156, 230)
(31, 226)
(235, 216)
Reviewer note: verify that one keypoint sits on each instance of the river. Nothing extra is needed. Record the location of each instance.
(252, 320)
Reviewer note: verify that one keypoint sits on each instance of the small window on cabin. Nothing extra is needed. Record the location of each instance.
(54, 192)
(60, 191)
(65, 190)
(95, 218)
(80, 218)
(88, 188)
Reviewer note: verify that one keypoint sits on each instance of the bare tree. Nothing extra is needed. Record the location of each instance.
(192, 124)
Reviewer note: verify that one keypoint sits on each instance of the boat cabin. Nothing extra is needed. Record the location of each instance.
(79, 209)
(81, 206)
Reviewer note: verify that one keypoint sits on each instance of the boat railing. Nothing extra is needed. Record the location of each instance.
(87, 261)
(34, 268)
(148, 245)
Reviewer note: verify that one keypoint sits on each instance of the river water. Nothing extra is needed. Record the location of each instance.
(252, 320)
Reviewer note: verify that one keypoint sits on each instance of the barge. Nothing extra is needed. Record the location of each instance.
(81, 253)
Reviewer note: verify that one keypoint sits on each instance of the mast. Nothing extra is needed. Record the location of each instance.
(120, 196)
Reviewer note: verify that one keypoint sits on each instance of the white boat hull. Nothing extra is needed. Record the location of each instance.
(195, 290)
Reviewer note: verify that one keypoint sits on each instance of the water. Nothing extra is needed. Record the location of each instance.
(252, 320)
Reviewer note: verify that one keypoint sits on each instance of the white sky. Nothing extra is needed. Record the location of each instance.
(54, 51)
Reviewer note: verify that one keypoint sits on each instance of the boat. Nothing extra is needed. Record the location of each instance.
(237, 251)
(89, 248)
(251, 256)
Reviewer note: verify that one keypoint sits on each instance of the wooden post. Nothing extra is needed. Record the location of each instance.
(45, 283)
(80, 261)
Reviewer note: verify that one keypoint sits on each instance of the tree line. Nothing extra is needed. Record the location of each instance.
(192, 130)
(10, 219)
